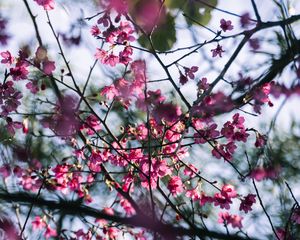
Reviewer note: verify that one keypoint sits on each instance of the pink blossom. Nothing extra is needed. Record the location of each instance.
(228, 191)
(182, 78)
(47, 4)
(8, 230)
(175, 185)
(254, 43)
(167, 112)
(38, 223)
(125, 204)
(190, 170)
(226, 25)
(217, 51)
(194, 194)
(282, 234)
(234, 220)
(91, 125)
(7, 58)
(245, 20)
(50, 232)
(296, 215)
(247, 202)
(202, 84)
(205, 199)
(32, 86)
(48, 67)
(12, 125)
(222, 201)
(20, 71)
(235, 130)
(190, 72)
(224, 150)
(5, 171)
(260, 140)
(95, 31)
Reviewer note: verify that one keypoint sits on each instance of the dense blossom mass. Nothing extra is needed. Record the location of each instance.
(144, 167)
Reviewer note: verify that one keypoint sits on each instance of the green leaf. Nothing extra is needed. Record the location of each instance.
(195, 10)
(163, 37)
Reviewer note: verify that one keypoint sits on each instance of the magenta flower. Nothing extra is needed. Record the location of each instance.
(175, 185)
(47, 4)
(217, 51)
(226, 25)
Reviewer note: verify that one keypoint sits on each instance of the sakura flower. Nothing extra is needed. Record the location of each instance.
(48, 67)
(203, 85)
(222, 201)
(254, 44)
(50, 232)
(166, 111)
(47, 4)
(228, 191)
(5, 171)
(175, 185)
(217, 51)
(95, 31)
(245, 20)
(3, 34)
(190, 72)
(226, 25)
(8, 230)
(38, 223)
(19, 72)
(296, 215)
(247, 202)
(194, 194)
(125, 204)
(7, 58)
(12, 125)
(32, 86)
(190, 170)
(260, 140)
(234, 220)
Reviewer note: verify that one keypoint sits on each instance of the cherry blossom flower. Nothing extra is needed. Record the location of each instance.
(245, 20)
(175, 185)
(12, 125)
(95, 31)
(3, 34)
(202, 84)
(48, 67)
(234, 220)
(47, 4)
(217, 51)
(167, 112)
(8, 229)
(20, 71)
(226, 25)
(182, 78)
(190, 72)
(50, 232)
(254, 43)
(38, 223)
(32, 86)
(7, 58)
(5, 171)
(296, 215)
(247, 202)
(260, 140)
